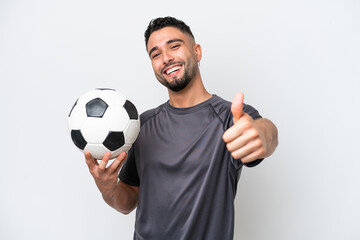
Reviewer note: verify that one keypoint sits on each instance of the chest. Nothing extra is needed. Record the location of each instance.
(179, 144)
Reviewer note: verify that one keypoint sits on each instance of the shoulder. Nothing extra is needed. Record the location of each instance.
(147, 115)
(251, 111)
(223, 109)
(220, 105)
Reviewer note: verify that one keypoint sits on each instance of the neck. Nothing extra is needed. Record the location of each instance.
(193, 94)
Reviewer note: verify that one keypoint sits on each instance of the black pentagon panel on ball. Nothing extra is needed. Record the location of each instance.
(114, 140)
(105, 89)
(96, 108)
(78, 139)
(73, 107)
(131, 110)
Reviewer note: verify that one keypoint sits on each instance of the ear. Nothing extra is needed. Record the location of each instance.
(198, 51)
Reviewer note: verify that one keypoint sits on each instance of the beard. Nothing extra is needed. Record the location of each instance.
(178, 84)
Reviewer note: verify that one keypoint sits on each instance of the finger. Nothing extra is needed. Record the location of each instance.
(234, 132)
(237, 130)
(243, 152)
(118, 162)
(237, 143)
(237, 106)
(90, 161)
(104, 161)
(252, 156)
(231, 134)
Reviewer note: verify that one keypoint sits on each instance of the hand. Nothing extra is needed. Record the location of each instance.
(245, 139)
(105, 178)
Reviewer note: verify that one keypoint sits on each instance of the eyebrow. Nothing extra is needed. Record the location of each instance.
(168, 42)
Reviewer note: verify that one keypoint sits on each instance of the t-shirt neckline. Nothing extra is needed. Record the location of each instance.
(192, 108)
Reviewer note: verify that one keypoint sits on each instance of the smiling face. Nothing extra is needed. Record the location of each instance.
(174, 56)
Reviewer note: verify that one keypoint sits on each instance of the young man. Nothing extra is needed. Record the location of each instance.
(183, 169)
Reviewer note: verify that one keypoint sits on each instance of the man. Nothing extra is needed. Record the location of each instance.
(183, 169)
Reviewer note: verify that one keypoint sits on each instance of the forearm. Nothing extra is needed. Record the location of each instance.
(122, 197)
(269, 133)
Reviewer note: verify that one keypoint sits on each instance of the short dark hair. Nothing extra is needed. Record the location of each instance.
(161, 22)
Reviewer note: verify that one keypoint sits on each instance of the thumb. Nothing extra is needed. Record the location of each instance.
(237, 106)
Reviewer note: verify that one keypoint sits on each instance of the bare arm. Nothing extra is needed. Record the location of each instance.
(116, 193)
(268, 132)
(124, 198)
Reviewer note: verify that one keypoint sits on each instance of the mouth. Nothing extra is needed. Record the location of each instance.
(172, 70)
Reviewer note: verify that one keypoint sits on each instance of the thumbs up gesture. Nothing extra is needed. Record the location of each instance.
(246, 138)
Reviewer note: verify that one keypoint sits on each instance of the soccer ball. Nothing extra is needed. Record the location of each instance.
(103, 120)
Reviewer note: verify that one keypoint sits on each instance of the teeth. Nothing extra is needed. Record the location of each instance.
(173, 69)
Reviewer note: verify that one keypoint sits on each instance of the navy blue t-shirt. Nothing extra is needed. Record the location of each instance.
(187, 177)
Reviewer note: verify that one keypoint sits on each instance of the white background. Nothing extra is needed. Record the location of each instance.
(296, 61)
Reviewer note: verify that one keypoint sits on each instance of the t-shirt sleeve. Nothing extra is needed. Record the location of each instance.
(128, 173)
(251, 111)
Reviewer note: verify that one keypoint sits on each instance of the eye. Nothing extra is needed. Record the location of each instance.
(155, 55)
(175, 46)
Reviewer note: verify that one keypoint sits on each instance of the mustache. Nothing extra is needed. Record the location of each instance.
(170, 64)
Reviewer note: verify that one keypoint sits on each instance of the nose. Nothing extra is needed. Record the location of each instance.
(167, 57)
